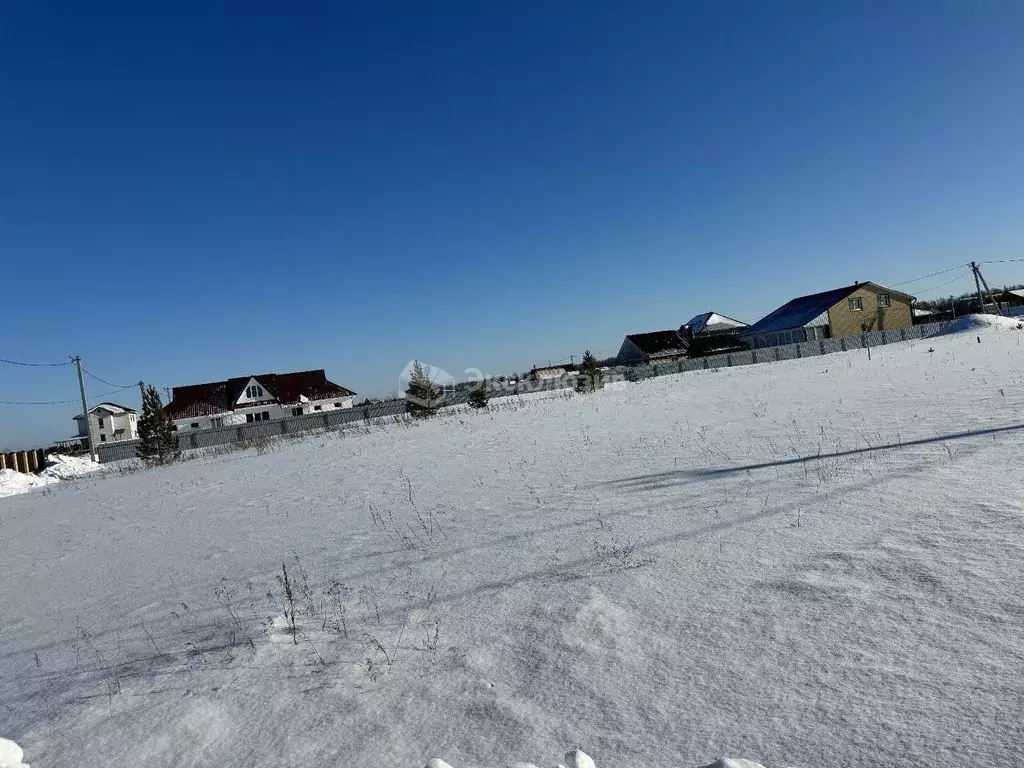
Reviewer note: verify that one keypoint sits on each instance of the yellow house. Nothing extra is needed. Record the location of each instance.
(857, 308)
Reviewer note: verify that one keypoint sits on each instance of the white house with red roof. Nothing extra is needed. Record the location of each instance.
(255, 398)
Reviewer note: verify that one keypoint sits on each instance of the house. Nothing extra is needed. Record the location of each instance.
(550, 371)
(110, 423)
(1012, 298)
(857, 308)
(712, 333)
(713, 324)
(653, 347)
(248, 399)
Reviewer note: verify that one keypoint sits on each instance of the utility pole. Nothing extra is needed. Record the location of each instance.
(977, 284)
(85, 411)
(999, 310)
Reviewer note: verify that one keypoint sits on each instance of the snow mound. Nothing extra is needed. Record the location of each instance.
(11, 755)
(970, 323)
(61, 467)
(58, 468)
(12, 483)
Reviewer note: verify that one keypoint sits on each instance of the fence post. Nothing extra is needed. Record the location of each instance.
(728, 361)
(903, 334)
(842, 343)
(777, 358)
(799, 353)
(284, 426)
(3, 461)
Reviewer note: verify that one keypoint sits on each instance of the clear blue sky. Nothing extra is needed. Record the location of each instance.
(195, 191)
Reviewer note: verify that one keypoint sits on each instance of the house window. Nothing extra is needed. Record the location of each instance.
(317, 408)
(100, 423)
(103, 438)
(253, 392)
(338, 405)
(217, 421)
(856, 304)
(883, 300)
(296, 411)
(194, 425)
(262, 416)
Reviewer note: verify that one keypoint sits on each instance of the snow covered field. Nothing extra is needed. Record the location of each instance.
(808, 563)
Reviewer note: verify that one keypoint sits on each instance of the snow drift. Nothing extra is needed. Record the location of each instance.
(973, 323)
(57, 469)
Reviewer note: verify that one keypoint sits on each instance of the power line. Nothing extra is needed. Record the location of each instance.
(943, 285)
(36, 365)
(1000, 261)
(933, 274)
(61, 402)
(104, 381)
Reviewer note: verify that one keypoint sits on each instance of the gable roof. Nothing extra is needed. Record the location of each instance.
(220, 396)
(112, 408)
(801, 310)
(712, 321)
(659, 343)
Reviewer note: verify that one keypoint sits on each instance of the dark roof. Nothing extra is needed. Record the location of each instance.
(800, 311)
(659, 343)
(220, 396)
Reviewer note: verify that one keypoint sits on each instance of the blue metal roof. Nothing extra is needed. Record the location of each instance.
(800, 311)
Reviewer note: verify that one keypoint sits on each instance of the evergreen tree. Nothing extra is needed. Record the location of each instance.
(590, 377)
(478, 395)
(157, 442)
(422, 397)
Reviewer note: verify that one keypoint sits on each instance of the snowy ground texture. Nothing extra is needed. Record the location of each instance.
(807, 563)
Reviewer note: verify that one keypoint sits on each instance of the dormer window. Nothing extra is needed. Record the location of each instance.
(253, 392)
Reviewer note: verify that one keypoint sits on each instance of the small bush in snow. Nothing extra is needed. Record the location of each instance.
(590, 377)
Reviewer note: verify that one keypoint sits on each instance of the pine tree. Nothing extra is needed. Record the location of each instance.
(590, 377)
(157, 443)
(421, 397)
(478, 395)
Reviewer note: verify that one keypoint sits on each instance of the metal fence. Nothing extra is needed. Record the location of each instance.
(211, 438)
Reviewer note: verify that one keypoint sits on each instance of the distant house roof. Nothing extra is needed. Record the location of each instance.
(220, 396)
(802, 310)
(551, 370)
(112, 408)
(710, 322)
(659, 343)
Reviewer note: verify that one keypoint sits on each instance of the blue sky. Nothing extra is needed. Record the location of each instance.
(190, 192)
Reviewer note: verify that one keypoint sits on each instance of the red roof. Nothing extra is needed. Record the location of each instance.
(220, 396)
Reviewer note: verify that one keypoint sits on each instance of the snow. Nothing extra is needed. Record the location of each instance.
(969, 323)
(58, 468)
(12, 482)
(807, 563)
(11, 755)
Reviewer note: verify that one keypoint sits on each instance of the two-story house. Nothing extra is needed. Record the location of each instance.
(255, 398)
(110, 423)
(857, 308)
